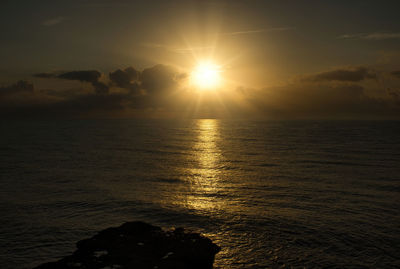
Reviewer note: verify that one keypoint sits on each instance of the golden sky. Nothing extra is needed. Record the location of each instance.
(264, 59)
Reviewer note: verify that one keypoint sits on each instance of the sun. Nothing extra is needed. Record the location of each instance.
(206, 76)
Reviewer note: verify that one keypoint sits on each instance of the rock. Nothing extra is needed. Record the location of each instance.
(140, 245)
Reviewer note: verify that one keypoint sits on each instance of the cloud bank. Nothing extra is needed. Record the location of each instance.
(163, 91)
(91, 76)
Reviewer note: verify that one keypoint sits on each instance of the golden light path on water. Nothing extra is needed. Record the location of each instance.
(207, 184)
(207, 154)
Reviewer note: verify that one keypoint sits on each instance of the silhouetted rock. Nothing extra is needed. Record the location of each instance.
(140, 245)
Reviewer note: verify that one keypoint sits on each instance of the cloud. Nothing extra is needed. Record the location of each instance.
(22, 100)
(159, 78)
(91, 76)
(343, 93)
(19, 96)
(161, 91)
(53, 21)
(343, 75)
(127, 90)
(312, 101)
(372, 36)
(15, 90)
(153, 80)
(88, 76)
(127, 78)
(100, 87)
(256, 31)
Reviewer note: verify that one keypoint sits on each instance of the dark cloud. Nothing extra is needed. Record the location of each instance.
(86, 76)
(321, 101)
(100, 87)
(151, 81)
(344, 75)
(91, 76)
(396, 74)
(157, 91)
(124, 78)
(19, 87)
(159, 78)
(127, 79)
(147, 90)
(22, 100)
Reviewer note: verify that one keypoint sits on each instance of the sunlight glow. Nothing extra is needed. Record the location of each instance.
(205, 180)
(206, 76)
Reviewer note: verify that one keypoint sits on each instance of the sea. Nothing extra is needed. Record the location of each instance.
(271, 194)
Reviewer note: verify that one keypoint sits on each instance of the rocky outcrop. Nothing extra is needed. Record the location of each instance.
(140, 245)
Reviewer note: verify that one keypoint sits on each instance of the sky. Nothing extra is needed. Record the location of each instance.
(284, 59)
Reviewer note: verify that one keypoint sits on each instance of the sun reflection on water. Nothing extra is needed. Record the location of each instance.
(207, 156)
(207, 151)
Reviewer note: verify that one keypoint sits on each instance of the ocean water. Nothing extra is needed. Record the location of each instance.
(284, 194)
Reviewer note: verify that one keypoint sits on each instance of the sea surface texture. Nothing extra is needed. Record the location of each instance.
(272, 194)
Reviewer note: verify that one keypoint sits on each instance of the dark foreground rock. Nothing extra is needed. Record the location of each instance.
(140, 245)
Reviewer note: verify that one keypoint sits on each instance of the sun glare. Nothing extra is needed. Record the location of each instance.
(206, 76)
